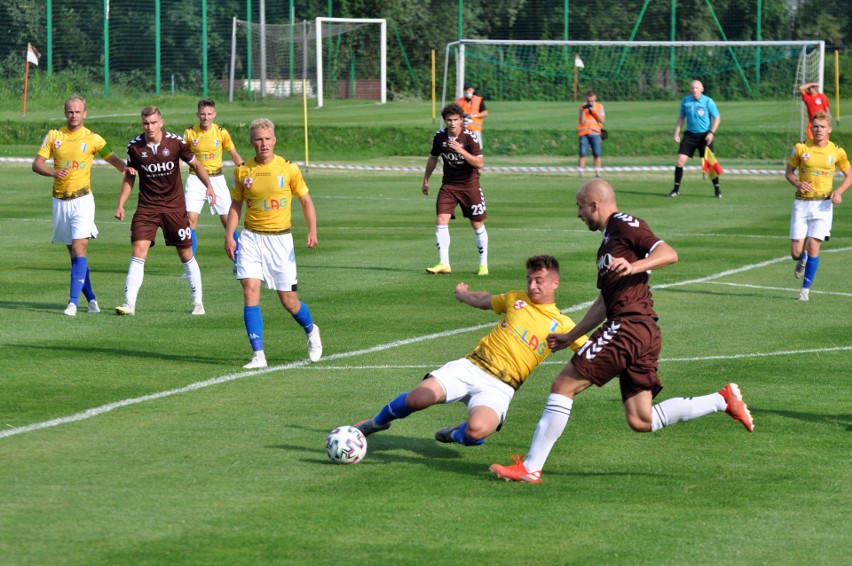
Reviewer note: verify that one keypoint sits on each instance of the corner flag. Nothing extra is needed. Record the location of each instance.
(710, 164)
(578, 62)
(32, 54)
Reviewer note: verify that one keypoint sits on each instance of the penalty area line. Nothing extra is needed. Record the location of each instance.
(355, 367)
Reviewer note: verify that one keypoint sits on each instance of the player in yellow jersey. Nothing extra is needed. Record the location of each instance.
(816, 159)
(267, 184)
(208, 141)
(73, 149)
(486, 380)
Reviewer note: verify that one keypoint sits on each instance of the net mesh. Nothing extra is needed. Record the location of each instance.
(623, 70)
(350, 60)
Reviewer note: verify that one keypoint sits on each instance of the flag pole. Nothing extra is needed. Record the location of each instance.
(26, 85)
(576, 72)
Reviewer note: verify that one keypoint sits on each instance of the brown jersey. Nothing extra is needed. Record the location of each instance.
(158, 169)
(628, 237)
(457, 171)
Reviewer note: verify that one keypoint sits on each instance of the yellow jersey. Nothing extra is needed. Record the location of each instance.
(208, 146)
(817, 166)
(76, 152)
(268, 191)
(518, 343)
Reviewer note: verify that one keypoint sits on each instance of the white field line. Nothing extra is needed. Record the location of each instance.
(562, 363)
(302, 364)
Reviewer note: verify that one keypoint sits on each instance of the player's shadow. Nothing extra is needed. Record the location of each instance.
(30, 306)
(112, 352)
(833, 420)
(384, 448)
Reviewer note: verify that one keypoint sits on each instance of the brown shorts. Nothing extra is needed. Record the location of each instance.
(175, 225)
(627, 347)
(472, 202)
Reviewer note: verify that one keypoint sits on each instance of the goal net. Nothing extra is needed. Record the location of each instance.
(626, 70)
(809, 69)
(328, 58)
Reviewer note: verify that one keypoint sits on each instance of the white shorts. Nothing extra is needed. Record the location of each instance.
(811, 219)
(74, 219)
(196, 195)
(271, 259)
(464, 381)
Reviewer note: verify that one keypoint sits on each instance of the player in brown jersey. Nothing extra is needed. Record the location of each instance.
(460, 149)
(156, 155)
(627, 344)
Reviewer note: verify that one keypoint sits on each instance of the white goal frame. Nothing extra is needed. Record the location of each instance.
(383, 53)
(460, 47)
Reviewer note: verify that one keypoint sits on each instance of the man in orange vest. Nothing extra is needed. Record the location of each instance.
(474, 109)
(589, 125)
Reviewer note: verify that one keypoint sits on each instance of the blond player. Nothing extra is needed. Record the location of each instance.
(208, 141)
(73, 149)
(267, 184)
(813, 210)
(486, 380)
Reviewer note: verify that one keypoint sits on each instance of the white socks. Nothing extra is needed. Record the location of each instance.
(442, 237)
(193, 275)
(135, 275)
(550, 427)
(681, 409)
(482, 244)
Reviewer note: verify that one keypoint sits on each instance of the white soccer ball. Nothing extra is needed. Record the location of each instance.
(346, 445)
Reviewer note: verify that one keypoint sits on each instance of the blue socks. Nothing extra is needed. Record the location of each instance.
(254, 326)
(303, 317)
(810, 272)
(460, 436)
(396, 409)
(79, 277)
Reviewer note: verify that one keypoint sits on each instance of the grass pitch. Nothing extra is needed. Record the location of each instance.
(141, 440)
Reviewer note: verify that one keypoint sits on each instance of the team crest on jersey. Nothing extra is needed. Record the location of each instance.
(701, 112)
(519, 304)
(57, 144)
(166, 152)
(806, 156)
(280, 181)
(195, 142)
(831, 160)
(248, 182)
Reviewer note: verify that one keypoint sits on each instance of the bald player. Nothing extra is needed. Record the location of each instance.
(73, 149)
(627, 343)
(486, 380)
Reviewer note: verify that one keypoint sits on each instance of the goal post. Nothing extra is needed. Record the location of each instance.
(325, 57)
(337, 27)
(626, 70)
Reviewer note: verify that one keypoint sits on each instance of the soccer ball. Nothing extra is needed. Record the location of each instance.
(346, 445)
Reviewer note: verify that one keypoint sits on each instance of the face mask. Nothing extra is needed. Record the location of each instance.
(468, 95)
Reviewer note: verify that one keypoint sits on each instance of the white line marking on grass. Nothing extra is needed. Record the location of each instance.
(562, 363)
(302, 364)
(786, 289)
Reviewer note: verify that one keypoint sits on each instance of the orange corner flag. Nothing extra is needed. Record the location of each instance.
(710, 164)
